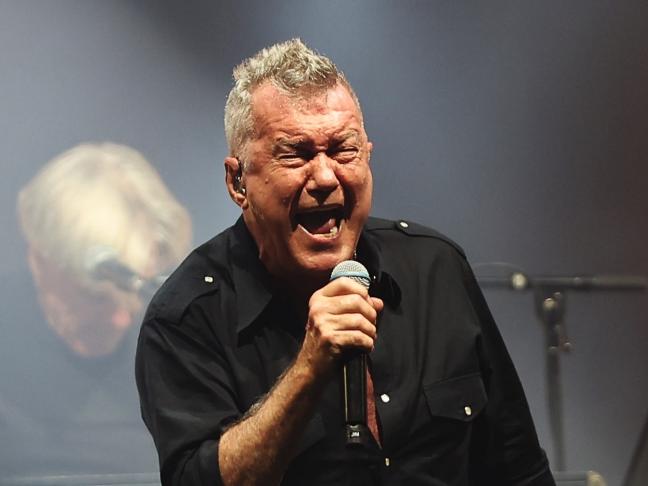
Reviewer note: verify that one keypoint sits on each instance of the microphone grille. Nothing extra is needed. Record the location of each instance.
(354, 270)
(96, 255)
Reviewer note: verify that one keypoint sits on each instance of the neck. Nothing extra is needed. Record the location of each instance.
(298, 290)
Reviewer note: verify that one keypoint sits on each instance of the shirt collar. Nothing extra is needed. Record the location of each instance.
(253, 283)
(251, 280)
(383, 285)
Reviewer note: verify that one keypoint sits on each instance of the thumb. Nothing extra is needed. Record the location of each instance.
(377, 303)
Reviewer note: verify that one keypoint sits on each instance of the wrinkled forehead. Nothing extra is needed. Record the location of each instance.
(271, 105)
(267, 97)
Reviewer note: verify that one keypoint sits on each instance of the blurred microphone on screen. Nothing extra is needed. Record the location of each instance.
(90, 203)
(101, 230)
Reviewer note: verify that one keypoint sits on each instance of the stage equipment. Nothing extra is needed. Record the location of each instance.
(550, 297)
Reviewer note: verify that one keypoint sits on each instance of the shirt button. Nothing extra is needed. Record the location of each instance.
(468, 411)
(403, 224)
(385, 398)
(387, 461)
(209, 279)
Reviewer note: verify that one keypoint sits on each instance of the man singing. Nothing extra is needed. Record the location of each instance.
(240, 353)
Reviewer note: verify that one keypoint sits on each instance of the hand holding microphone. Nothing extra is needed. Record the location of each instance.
(341, 319)
(342, 327)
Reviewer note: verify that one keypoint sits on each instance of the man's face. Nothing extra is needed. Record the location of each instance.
(308, 184)
(91, 321)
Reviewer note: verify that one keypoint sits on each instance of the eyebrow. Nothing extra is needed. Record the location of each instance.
(347, 135)
(290, 142)
(302, 142)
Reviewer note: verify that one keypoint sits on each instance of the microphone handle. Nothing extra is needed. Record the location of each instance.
(354, 374)
(355, 398)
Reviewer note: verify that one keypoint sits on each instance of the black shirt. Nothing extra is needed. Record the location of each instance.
(450, 405)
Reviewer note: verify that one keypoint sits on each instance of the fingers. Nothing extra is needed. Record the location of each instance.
(341, 316)
(334, 324)
(335, 337)
(344, 306)
(350, 297)
(343, 285)
(378, 304)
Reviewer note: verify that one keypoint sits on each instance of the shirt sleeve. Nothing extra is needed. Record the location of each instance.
(505, 448)
(187, 397)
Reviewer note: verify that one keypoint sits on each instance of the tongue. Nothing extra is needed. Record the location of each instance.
(317, 223)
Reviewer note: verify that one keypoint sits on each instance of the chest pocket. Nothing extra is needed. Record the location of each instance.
(461, 398)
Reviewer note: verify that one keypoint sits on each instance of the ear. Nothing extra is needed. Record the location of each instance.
(35, 266)
(235, 188)
(369, 150)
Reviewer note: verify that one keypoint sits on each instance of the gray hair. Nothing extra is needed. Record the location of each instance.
(108, 195)
(291, 67)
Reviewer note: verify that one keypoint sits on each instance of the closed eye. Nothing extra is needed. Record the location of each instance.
(343, 154)
(292, 159)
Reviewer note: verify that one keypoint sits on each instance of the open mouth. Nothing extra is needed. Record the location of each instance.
(325, 222)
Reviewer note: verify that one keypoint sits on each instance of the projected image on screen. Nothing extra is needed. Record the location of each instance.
(102, 231)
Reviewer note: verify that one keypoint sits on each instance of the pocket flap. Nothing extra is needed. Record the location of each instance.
(460, 398)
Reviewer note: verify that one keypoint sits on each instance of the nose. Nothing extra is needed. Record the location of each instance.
(121, 318)
(322, 180)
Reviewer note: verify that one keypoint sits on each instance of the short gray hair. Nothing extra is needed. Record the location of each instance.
(102, 195)
(293, 68)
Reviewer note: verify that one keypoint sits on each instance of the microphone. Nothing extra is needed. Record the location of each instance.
(102, 263)
(354, 374)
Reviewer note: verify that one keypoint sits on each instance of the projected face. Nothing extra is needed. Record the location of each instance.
(91, 319)
(98, 200)
(308, 184)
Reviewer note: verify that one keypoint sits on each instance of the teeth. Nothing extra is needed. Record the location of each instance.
(334, 230)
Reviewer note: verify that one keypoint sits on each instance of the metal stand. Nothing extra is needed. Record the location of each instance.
(550, 305)
(550, 308)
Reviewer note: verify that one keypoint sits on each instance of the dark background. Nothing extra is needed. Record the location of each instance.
(517, 128)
